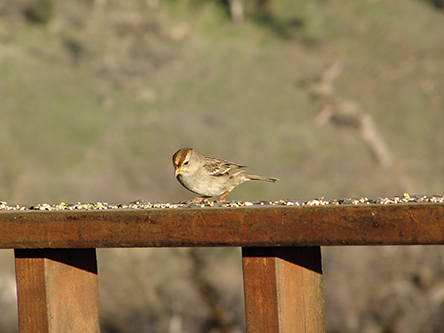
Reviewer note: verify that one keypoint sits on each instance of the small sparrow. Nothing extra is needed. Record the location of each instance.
(209, 176)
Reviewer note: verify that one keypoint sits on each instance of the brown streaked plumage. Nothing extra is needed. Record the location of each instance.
(209, 176)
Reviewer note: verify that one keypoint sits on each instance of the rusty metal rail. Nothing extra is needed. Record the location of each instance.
(57, 272)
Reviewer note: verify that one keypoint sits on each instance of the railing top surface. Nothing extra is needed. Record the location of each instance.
(249, 226)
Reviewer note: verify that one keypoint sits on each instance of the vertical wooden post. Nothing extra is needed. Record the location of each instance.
(283, 289)
(57, 290)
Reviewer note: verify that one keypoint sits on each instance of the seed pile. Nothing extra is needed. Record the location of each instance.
(139, 204)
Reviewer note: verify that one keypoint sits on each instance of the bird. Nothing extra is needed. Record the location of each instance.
(208, 176)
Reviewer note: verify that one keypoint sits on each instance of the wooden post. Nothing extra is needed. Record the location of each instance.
(57, 290)
(283, 289)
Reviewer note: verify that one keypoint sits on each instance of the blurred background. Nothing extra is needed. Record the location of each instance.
(337, 98)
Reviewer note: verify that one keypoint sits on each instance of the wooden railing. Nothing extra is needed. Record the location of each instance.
(56, 267)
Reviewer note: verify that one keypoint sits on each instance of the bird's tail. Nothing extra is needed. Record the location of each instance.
(267, 179)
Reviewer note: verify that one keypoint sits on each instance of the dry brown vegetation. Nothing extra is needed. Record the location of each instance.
(96, 95)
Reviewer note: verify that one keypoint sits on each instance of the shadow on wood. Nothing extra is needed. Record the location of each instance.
(57, 290)
(283, 289)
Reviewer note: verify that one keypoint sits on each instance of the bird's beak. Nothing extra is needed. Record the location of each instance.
(177, 170)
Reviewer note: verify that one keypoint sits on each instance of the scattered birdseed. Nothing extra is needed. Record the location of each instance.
(140, 204)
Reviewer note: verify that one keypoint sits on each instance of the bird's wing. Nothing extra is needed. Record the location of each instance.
(219, 167)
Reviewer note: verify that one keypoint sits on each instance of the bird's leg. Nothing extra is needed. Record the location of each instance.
(199, 199)
(221, 198)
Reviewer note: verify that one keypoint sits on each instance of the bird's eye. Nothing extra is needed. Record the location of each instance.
(186, 163)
